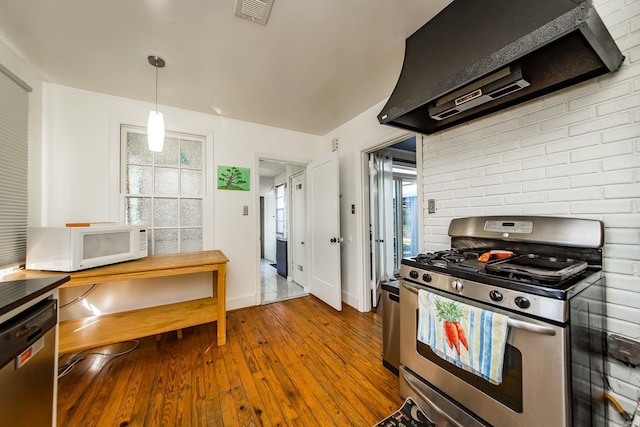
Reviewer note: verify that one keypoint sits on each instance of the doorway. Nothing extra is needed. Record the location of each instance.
(393, 211)
(282, 230)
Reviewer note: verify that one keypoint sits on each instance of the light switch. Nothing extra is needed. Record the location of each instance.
(431, 206)
(245, 210)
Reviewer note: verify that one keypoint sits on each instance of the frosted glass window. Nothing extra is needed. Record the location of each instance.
(139, 179)
(165, 212)
(170, 154)
(190, 154)
(165, 241)
(138, 210)
(166, 182)
(190, 212)
(191, 183)
(138, 149)
(164, 191)
(191, 239)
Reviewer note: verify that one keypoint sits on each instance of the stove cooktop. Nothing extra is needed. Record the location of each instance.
(546, 276)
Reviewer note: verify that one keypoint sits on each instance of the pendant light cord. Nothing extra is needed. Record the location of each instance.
(157, 62)
(156, 65)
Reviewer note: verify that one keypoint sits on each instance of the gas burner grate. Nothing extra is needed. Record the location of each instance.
(446, 257)
(526, 279)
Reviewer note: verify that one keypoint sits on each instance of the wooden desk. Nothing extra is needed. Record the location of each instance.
(79, 334)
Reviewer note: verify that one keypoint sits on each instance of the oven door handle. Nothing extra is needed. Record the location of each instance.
(416, 387)
(518, 324)
(412, 288)
(531, 327)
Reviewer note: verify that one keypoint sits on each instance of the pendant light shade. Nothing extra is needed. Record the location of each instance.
(155, 131)
(155, 124)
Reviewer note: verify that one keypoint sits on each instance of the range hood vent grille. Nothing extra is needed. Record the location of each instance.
(480, 56)
(493, 87)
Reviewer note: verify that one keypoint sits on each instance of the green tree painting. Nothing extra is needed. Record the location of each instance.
(233, 178)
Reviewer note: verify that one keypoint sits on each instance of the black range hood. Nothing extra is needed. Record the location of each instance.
(480, 56)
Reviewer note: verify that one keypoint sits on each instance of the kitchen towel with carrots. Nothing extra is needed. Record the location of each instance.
(471, 338)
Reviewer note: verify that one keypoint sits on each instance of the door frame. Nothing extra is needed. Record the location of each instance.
(295, 228)
(257, 157)
(362, 191)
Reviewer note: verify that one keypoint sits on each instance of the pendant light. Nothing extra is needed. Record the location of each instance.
(155, 125)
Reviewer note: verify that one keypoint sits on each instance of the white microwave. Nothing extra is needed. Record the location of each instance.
(77, 248)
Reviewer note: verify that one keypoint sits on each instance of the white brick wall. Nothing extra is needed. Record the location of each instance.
(572, 153)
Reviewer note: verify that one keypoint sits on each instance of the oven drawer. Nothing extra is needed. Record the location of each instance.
(438, 408)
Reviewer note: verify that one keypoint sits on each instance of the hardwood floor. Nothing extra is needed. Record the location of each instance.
(292, 363)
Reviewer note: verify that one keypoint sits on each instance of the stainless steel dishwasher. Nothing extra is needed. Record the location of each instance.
(391, 325)
(27, 360)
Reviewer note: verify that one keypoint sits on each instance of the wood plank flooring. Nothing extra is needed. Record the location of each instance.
(292, 363)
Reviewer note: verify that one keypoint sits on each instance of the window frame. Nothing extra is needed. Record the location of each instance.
(206, 226)
(281, 232)
(399, 212)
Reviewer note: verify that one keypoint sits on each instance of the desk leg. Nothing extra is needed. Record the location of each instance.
(221, 276)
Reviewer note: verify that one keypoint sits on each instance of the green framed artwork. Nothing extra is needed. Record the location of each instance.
(233, 178)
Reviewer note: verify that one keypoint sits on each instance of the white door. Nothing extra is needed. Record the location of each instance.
(323, 195)
(298, 235)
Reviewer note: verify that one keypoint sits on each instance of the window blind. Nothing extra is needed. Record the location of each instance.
(14, 109)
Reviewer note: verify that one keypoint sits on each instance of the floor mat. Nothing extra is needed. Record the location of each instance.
(409, 414)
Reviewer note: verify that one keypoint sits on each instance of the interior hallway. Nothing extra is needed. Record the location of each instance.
(275, 287)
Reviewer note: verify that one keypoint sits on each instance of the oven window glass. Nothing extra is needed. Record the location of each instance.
(509, 392)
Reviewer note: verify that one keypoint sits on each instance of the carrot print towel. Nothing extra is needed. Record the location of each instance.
(469, 337)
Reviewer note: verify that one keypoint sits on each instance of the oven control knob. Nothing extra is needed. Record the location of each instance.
(426, 277)
(413, 274)
(495, 295)
(522, 302)
(457, 285)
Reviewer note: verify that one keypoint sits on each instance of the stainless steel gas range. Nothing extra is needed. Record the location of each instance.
(543, 276)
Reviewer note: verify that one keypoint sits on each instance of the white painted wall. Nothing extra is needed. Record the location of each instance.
(80, 170)
(266, 185)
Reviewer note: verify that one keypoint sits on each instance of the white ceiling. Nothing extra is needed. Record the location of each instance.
(314, 66)
(270, 169)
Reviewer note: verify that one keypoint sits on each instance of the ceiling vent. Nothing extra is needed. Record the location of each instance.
(254, 10)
